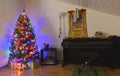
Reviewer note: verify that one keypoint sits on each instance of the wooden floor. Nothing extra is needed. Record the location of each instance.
(50, 70)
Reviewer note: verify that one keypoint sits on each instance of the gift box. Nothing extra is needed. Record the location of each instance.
(17, 66)
(34, 65)
(20, 66)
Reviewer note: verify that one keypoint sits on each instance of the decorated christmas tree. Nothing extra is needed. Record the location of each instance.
(23, 45)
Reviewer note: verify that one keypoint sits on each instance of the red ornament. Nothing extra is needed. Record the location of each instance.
(27, 36)
(26, 48)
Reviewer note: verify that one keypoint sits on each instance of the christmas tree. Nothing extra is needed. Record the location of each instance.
(23, 48)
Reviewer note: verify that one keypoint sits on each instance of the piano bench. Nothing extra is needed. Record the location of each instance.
(86, 58)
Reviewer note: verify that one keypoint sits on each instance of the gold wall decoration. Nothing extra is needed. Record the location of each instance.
(77, 23)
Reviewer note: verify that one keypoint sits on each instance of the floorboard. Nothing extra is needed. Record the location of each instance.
(50, 70)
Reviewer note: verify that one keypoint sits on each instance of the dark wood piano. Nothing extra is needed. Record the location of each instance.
(107, 50)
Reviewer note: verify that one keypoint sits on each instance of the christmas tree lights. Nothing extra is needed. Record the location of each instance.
(23, 48)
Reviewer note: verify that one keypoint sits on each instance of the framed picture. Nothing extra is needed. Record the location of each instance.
(77, 23)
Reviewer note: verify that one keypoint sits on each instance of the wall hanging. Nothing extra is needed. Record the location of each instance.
(77, 23)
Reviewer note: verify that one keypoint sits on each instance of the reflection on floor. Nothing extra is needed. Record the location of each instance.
(50, 70)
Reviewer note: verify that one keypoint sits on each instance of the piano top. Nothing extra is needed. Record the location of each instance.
(91, 42)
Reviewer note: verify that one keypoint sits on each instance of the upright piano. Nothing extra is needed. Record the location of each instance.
(107, 50)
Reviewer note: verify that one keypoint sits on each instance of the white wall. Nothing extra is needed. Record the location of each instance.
(9, 11)
(97, 21)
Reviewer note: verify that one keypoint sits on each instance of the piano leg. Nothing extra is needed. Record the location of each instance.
(63, 64)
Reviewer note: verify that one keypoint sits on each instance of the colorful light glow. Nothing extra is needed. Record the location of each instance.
(5, 39)
(4, 52)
